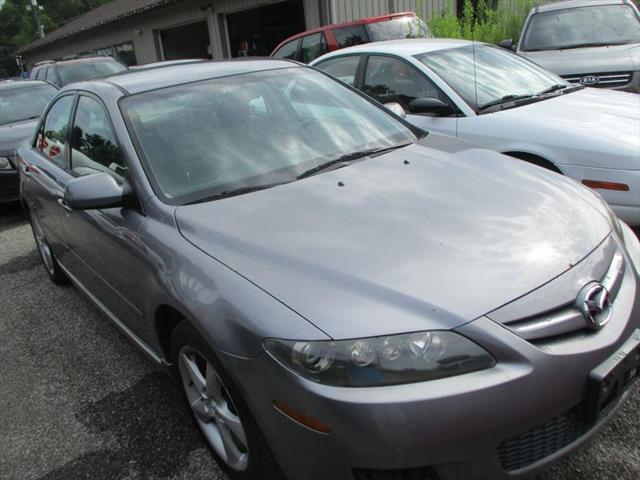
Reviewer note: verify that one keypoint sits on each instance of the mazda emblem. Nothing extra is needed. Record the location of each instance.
(595, 304)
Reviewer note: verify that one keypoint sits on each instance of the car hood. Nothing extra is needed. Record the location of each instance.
(614, 58)
(596, 124)
(13, 134)
(416, 239)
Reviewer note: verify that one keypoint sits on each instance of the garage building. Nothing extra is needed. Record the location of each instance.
(145, 31)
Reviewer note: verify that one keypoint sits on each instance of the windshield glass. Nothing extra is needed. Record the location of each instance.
(398, 28)
(499, 73)
(584, 26)
(202, 140)
(77, 72)
(24, 102)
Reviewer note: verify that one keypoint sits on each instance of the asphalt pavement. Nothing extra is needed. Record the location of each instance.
(78, 401)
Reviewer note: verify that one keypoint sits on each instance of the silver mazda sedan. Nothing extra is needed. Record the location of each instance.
(342, 296)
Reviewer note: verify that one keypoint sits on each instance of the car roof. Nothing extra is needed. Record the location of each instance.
(23, 84)
(137, 81)
(408, 47)
(575, 4)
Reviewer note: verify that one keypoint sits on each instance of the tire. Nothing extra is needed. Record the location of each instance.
(217, 414)
(47, 256)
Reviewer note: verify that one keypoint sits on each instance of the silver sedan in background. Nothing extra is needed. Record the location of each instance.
(341, 295)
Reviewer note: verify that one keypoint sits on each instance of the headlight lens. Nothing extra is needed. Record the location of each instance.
(5, 164)
(378, 361)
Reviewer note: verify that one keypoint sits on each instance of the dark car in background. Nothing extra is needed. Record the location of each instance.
(307, 46)
(69, 71)
(21, 104)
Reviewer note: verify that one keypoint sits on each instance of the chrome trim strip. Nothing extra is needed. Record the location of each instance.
(121, 326)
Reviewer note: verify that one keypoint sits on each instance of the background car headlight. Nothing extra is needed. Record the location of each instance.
(5, 164)
(377, 361)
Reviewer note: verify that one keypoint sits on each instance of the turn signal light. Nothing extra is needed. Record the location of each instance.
(300, 417)
(619, 187)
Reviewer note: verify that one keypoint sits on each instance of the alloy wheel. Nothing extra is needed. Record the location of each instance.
(213, 409)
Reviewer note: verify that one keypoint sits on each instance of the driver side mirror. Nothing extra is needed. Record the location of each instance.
(430, 106)
(96, 192)
(508, 44)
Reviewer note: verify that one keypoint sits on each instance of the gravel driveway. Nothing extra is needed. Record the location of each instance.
(77, 400)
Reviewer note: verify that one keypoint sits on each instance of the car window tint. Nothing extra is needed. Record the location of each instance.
(288, 50)
(50, 75)
(349, 36)
(312, 47)
(52, 137)
(40, 74)
(393, 80)
(343, 68)
(93, 145)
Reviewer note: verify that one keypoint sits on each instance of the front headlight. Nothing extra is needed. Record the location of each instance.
(5, 164)
(377, 361)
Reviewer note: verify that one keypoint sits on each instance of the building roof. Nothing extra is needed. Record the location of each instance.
(138, 81)
(103, 15)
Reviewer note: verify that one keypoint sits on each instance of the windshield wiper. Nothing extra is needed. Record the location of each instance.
(506, 99)
(591, 44)
(349, 157)
(553, 88)
(235, 191)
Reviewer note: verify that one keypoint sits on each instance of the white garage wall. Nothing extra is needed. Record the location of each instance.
(346, 10)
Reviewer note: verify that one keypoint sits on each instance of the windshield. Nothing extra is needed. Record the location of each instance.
(262, 128)
(24, 102)
(584, 26)
(398, 28)
(77, 72)
(499, 73)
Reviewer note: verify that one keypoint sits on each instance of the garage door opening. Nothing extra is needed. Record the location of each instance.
(256, 32)
(187, 41)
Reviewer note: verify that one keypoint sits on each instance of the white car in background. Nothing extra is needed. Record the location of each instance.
(492, 97)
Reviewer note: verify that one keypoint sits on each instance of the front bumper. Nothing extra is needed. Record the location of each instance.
(9, 183)
(455, 428)
(626, 205)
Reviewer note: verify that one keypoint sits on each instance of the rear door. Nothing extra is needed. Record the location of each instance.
(105, 252)
(44, 171)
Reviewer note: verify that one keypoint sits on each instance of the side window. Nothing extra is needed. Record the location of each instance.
(312, 47)
(392, 80)
(52, 138)
(40, 74)
(350, 36)
(51, 75)
(93, 145)
(288, 50)
(342, 68)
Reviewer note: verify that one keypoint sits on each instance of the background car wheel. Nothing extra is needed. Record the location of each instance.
(219, 410)
(46, 254)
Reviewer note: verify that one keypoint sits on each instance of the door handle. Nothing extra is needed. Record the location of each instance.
(68, 210)
(26, 171)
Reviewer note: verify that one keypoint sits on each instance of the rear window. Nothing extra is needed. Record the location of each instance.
(350, 36)
(398, 28)
(77, 72)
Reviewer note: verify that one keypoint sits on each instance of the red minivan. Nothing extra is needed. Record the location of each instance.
(307, 46)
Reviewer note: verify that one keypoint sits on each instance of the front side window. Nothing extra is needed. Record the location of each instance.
(288, 50)
(483, 74)
(83, 70)
(52, 139)
(204, 139)
(398, 28)
(590, 26)
(93, 145)
(350, 36)
(24, 103)
(392, 80)
(342, 68)
(40, 74)
(312, 47)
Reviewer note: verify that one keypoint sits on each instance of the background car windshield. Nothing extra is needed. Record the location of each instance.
(23, 103)
(498, 73)
(398, 28)
(76, 72)
(204, 139)
(572, 28)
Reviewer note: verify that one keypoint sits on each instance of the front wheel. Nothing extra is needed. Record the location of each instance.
(219, 410)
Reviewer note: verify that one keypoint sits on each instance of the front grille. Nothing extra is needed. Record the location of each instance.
(567, 320)
(422, 473)
(543, 440)
(605, 80)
